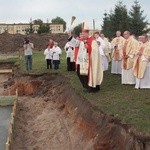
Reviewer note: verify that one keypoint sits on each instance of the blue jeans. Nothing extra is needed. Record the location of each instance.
(28, 62)
(56, 64)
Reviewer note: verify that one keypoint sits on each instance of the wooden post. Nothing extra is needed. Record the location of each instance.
(7, 145)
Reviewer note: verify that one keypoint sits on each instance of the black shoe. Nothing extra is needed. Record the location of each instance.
(87, 90)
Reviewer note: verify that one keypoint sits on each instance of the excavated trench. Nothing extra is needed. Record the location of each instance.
(5, 103)
(52, 116)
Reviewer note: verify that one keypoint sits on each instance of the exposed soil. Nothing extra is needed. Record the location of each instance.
(11, 43)
(43, 125)
(6, 65)
(51, 116)
(3, 79)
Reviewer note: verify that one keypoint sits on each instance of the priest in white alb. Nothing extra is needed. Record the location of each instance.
(117, 44)
(129, 49)
(141, 67)
(101, 44)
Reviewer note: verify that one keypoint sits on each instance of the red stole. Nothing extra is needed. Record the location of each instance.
(89, 43)
(76, 49)
(89, 49)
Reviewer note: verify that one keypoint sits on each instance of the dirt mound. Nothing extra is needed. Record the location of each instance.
(51, 116)
(6, 65)
(11, 43)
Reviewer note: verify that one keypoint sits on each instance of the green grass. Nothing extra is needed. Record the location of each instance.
(8, 60)
(39, 64)
(125, 102)
(7, 100)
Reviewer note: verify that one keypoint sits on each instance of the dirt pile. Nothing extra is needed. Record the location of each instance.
(6, 65)
(11, 43)
(51, 116)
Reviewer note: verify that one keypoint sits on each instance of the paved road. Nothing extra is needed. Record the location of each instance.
(5, 114)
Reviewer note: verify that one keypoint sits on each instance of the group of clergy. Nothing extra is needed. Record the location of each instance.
(129, 57)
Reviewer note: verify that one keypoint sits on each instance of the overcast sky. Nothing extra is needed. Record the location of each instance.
(20, 11)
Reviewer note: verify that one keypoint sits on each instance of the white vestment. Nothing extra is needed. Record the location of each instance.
(116, 67)
(104, 62)
(145, 81)
(103, 57)
(127, 76)
(69, 52)
(116, 64)
(129, 49)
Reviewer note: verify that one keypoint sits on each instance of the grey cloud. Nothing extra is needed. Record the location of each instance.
(22, 10)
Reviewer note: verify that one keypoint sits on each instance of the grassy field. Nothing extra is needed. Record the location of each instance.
(125, 102)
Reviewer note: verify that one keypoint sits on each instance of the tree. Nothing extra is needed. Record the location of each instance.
(44, 28)
(37, 21)
(77, 29)
(30, 29)
(118, 19)
(106, 27)
(137, 20)
(59, 21)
